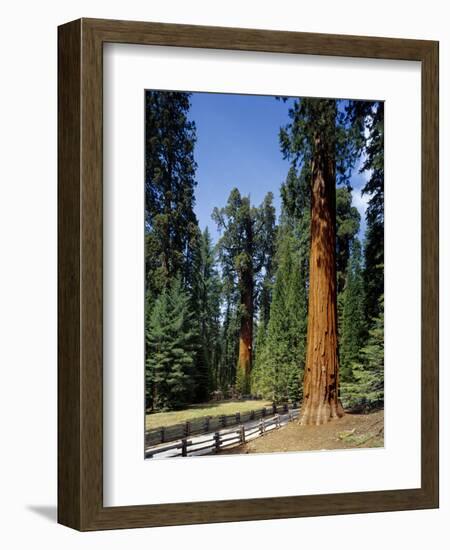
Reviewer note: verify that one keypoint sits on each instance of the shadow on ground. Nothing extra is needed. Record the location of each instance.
(47, 512)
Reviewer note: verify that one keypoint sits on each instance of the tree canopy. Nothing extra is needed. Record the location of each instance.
(282, 305)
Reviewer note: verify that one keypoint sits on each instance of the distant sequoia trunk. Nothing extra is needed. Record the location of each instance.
(246, 275)
(246, 334)
(321, 380)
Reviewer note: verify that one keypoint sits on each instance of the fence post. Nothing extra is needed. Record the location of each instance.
(207, 423)
(285, 408)
(217, 441)
(277, 420)
(252, 415)
(289, 416)
(238, 418)
(187, 428)
(242, 434)
(184, 447)
(223, 420)
(274, 408)
(264, 412)
(262, 427)
(162, 435)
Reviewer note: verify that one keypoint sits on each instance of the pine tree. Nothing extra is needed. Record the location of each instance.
(207, 302)
(365, 390)
(170, 222)
(352, 330)
(229, 338)
(171, 242)
(172, 342)
(266, 231)
(367, 119)
(280, 351)
(347, 227)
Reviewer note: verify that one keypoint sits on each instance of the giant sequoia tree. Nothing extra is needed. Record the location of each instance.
(261, 308)
(244, 247)
(315, 139)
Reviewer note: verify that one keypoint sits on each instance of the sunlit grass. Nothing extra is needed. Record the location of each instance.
(156, 420)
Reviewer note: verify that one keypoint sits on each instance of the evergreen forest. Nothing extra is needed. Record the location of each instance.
(237, 312)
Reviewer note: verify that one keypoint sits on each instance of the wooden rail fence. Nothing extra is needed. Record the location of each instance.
(224, 438)
(207, 424)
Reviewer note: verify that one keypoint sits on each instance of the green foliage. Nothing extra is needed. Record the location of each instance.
(246, 248)
(347, 227)
(351, 130)
(206, 304)
(352, 329)
(229, 341)
(243, 385)
(280, 350)
(194, 311)
(170, 223)
(365, 391)
(311, 118)
(266, 231)
(172, 341)
(367, 121)
(171, 229)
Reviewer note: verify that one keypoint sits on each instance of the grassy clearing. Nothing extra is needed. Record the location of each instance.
(213, 408)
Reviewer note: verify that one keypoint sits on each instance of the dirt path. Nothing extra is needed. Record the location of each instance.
(351, 431)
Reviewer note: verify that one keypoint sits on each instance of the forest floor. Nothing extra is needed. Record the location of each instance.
(349, 432)
(212, 408)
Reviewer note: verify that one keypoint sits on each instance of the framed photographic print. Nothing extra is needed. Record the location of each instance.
(248, 274)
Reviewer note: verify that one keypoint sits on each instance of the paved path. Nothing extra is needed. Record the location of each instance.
(202, 440)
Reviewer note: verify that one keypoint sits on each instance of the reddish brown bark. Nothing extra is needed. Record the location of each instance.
(321, 380)
(246, 335)
(246, 274)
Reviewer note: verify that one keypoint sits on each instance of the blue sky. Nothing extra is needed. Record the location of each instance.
(237, 146)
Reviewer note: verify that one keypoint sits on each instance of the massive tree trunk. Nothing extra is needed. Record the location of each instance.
(246, 333)
(246, 275)
(321, 380)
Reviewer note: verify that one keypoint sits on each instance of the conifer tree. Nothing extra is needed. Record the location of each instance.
(352, 330)
(247, 235)
(367, 119)
(365, 390)
(266, 246)
(347, 227)
(324, 147)
(313, 138)
(172, 341)
(206, 303)
(280, 358)
(171, 229)
(229, 338)
(170, 222)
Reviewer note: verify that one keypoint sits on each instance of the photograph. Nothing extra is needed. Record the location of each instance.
(264, 274)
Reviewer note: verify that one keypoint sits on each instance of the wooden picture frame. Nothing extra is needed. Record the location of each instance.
(80, 272)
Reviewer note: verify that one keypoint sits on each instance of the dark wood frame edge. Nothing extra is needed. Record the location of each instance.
(80, 416)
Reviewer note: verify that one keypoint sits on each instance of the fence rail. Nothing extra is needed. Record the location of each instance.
(215, 441)
(207, 424)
